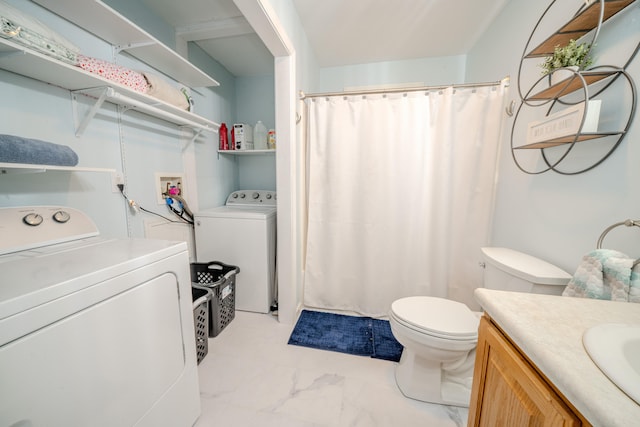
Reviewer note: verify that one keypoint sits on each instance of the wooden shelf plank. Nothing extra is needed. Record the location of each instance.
(588, 19)
(547, 47)
(570, 85)
(566, 140)
(580, 25)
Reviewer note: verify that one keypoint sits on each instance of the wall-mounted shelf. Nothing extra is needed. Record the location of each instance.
(570, 85)
(569, 139)
(132, 100)
(106, 23)
(246, 152)
(9, 168)
(582, 23)
(572, 91)
(35, 65)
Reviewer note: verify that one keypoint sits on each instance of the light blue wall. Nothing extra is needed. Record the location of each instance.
(217, 176)
(255, 98)
(426, 71)
(555, 217)
(133, 143)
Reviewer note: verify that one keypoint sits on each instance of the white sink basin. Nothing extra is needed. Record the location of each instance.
(615, 349)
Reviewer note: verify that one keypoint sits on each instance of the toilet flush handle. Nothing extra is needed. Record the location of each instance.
(482, 264)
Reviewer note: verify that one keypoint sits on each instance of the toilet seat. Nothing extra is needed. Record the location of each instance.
(437, 317)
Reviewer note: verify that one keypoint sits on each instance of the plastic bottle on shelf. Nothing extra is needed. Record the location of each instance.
(224, 137)
(260, 136)
(232, 146)
(271, 139)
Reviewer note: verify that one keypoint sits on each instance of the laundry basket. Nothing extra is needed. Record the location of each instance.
(201, 298)
(220, 279)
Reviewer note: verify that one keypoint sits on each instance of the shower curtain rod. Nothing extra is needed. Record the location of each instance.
(406, 89)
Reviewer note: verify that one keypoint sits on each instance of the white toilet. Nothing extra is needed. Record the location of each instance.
(440, 336)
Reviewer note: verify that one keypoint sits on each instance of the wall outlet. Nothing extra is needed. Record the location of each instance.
(166, 182)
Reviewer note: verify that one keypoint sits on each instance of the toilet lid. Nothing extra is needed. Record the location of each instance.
(437, 316)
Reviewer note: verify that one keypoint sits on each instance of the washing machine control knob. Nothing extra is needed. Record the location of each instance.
(32, 219)
(242, 196)
(235, 195)
(255, 195)
(268, 196)
(61, 217)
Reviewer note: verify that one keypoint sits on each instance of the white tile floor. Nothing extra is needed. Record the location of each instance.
(252, 377)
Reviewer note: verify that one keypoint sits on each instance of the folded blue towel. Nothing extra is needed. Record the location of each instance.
(15, 149)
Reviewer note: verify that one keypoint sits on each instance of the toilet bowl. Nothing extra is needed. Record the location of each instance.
(440, 336)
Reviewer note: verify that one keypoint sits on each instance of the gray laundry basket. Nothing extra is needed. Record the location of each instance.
(220, 279)
(201, 298)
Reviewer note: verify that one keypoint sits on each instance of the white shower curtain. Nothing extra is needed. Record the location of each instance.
(400, 195)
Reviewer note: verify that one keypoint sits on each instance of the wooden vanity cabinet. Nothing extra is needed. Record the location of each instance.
(508, 391)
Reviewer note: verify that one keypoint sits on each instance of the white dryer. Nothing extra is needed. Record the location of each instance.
(93, 331)
(243, 233)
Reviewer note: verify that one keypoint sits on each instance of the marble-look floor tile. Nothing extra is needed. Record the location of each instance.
(251, 377)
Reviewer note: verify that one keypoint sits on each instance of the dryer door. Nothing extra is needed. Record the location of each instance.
(106, 364)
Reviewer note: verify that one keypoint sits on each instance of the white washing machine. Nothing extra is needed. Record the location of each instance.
(243, 233)
(93, 331)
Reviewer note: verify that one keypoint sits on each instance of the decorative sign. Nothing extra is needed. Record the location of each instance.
(565, 123)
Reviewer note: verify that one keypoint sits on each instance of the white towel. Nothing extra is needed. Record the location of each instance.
(164, 91)
(605, 274)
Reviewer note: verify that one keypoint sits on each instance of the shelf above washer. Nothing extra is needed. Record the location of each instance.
(247, 152)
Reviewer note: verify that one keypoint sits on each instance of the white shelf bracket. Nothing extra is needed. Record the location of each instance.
(125, 108)
(82, 125)
(196, 134)
(119, 48)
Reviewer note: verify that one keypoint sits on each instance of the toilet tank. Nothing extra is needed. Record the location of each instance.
(509, 270)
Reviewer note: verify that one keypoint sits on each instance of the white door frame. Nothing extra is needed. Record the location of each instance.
(266, 24)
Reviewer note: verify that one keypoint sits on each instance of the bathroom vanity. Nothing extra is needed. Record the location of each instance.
(531, 365)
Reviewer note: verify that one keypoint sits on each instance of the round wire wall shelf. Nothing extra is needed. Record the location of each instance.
(557, 148)
(577, 93)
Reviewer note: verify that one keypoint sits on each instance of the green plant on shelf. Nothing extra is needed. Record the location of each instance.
(571, 55)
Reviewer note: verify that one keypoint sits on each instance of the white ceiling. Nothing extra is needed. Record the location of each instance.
(341, 32)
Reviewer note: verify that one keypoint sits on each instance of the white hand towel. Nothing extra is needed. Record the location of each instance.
(164, 91)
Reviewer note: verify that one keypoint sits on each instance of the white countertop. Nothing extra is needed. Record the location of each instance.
(548, 329)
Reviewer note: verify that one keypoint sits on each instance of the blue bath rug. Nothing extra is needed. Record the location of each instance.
(362, 336)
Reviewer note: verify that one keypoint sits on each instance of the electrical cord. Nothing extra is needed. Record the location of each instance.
(133, 205)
